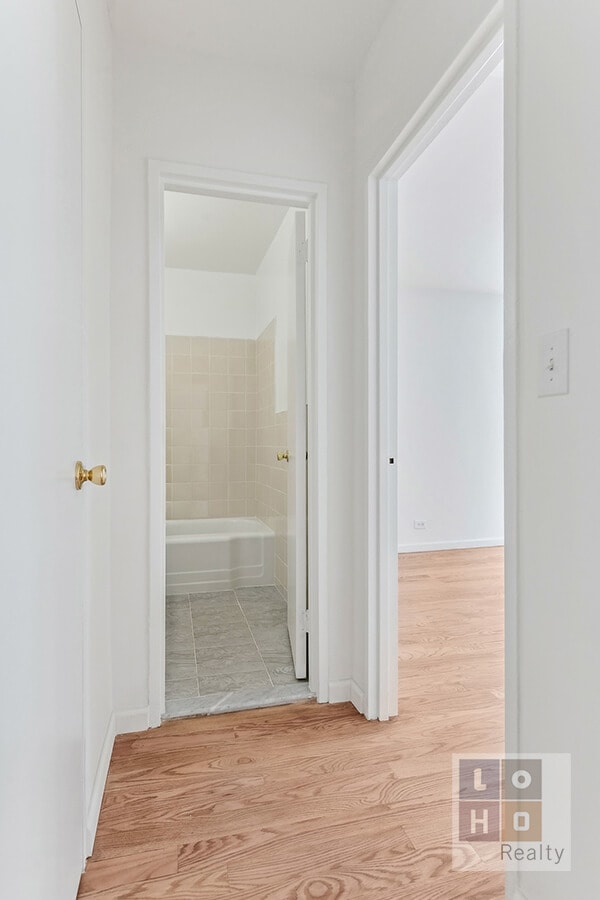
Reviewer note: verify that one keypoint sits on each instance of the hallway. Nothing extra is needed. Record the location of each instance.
(314, 801)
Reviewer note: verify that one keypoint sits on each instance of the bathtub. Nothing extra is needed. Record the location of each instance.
(218, 554)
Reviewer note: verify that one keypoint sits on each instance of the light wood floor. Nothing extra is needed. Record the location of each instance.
(311, 801)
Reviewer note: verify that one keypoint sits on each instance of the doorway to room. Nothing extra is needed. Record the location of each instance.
(450, 433)
(401, 253)
(235, 448)
(297, 468)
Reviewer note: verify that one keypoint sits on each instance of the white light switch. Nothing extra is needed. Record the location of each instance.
(553, 377)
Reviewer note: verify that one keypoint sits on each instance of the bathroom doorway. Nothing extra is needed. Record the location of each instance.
(235, 310)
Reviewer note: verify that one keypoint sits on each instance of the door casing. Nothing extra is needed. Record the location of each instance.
(311, 196)
(297, 462)
(477, 59)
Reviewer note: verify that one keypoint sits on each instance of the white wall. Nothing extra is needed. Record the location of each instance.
(226, 305)
(450, 419)
(276, 295)
(50, 372)
(197, 109)
(211, 234)
(558, 197)
(417, 43)
(210, 304)
(450, 318)
(556, 115)
(451, 201)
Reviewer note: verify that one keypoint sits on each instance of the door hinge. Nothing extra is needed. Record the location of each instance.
(303, 251)
(306, 621)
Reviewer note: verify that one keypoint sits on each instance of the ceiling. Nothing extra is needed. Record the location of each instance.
(315, 37)
(218, 235)
(451, 201)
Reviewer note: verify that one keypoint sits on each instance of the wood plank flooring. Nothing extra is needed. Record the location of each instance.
(307, 801)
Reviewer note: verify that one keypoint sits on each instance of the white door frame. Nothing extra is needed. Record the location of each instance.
(311, 196)
(477, 59)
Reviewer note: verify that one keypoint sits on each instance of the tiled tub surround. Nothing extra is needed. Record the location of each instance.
(223, 434)
(271, 437)
(229, 650)
(211, 427)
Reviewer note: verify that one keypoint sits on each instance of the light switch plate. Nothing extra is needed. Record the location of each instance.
(553, 364)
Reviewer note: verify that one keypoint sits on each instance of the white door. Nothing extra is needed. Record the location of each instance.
(41, 397)
(297, 511)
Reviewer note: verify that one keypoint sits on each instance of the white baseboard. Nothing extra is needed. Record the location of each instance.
(347, 691)
(357, 697)
(95, 802)
(450, 545)
(128, 721)
(339, 691)
(122, 722)
(518, 895)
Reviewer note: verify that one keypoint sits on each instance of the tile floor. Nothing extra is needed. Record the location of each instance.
(228, 650)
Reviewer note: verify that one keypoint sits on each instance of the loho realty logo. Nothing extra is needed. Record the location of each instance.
(520, 804)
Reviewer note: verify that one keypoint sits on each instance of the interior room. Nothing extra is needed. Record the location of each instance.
(451, 334)
(115, 781)
(450, 356)
(230, 333)
(451, 420)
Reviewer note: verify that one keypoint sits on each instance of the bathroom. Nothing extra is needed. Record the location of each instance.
(235, 401)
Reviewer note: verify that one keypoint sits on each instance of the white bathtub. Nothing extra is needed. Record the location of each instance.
(218, 554)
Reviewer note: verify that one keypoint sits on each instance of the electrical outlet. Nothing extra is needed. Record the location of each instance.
(419, 524)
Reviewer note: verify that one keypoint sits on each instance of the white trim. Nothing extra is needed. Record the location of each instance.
(357, 697)
(511, 272)
(347, 691)
(477, 59)
(432, 546)
(340, 691)
(311, 196)
(95, 801)
(129, 721)
(512, 675)
(386, 625)
(157, 423)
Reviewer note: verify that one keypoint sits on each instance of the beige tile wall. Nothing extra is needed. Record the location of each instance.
(223, 434)
(211, 427)
(271, 436)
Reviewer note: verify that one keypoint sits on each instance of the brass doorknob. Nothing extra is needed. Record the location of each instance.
(97, 475)
(284, 454)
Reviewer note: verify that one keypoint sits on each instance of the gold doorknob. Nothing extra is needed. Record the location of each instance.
(97, 475)
(284, 454)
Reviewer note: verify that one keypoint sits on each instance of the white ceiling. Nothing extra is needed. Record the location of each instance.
(316, 37)
(451, 201)
(218, 235)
